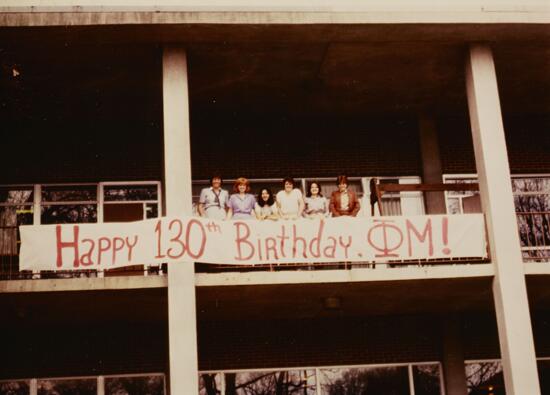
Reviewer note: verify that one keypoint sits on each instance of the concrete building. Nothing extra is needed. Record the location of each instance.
(122, 112)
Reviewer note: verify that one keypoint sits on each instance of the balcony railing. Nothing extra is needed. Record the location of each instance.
(130, 201)
(532, 203)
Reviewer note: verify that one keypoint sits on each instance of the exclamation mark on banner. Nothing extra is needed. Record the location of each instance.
(445, 235)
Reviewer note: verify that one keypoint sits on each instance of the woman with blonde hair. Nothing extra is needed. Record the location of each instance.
(241, 203)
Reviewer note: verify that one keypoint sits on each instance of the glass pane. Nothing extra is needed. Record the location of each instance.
(70, 214)
(67, 387)
(69, 193)
(151, 210)
(520, 185)
(283, 382)
(138, 385)
(367, 381)
(16, 195)
(544, 376)
(210, 383)
(14, 388)
(484, 378)
(454, 206)
(10, 218)
(130, 193)
(427, 379)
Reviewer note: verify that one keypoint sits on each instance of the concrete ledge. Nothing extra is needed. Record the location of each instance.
(533, 268)
(343, 276)
(83, 16)
(253, 278)
(83, 284)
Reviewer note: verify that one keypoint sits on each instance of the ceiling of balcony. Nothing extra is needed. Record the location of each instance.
(86, 75)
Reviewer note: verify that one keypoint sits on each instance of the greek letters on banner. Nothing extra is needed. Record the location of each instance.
(190, 239)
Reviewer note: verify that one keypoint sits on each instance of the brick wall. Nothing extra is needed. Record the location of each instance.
(527, 139)
(256, 149)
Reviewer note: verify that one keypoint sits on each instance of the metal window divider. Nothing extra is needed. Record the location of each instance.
(36, 216)
(100, 385)
(411, 379)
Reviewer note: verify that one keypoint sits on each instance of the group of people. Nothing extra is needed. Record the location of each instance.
(288, 204)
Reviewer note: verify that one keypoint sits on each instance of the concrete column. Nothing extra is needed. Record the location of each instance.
(431, 164)
(454, 373)
(177, 178)
(509, 289)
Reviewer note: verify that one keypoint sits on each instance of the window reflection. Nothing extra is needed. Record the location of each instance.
(427, 379)
(210, 383)
(366, 380)
(67, 387)
(135, 385)
(15, 387)
(283, 382)
(485, 378)
(532, 203)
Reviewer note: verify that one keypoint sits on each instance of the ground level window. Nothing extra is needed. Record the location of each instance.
(130, 385)
(86, 386)
(288, 382)
(427, 379)
(485, 378)
(366, 380)
(15, 387)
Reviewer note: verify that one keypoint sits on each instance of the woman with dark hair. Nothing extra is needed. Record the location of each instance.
(290, 201)
(343, 201)
(241, 203)
(316, 205)
(265, 207)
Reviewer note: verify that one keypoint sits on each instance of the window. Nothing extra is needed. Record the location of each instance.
(402, 379)
(461, 202)
(87, 386)
(485, 378)
(532, 202)
(16, 208)
(130, 385)
(14, 387)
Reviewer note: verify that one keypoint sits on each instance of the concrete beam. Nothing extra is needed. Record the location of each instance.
(509, 288)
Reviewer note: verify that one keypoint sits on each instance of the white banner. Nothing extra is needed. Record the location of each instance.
(191, 239)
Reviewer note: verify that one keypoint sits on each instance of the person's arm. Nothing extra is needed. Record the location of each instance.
(258, 212)
(202, 200)
(274, 212)
(301, 205)
(332, 206)
(229, 210)
(356, 205)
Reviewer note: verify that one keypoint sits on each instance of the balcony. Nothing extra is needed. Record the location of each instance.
(131, 201)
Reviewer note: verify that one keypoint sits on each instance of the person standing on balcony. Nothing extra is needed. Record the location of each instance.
(241, 203)
(213, 200)
(266, 207)
(343, 201)
(290, 200)
(316, 205)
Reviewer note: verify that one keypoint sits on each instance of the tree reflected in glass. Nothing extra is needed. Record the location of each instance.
(365, 381)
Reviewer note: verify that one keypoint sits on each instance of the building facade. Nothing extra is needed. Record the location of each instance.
(122, 113)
